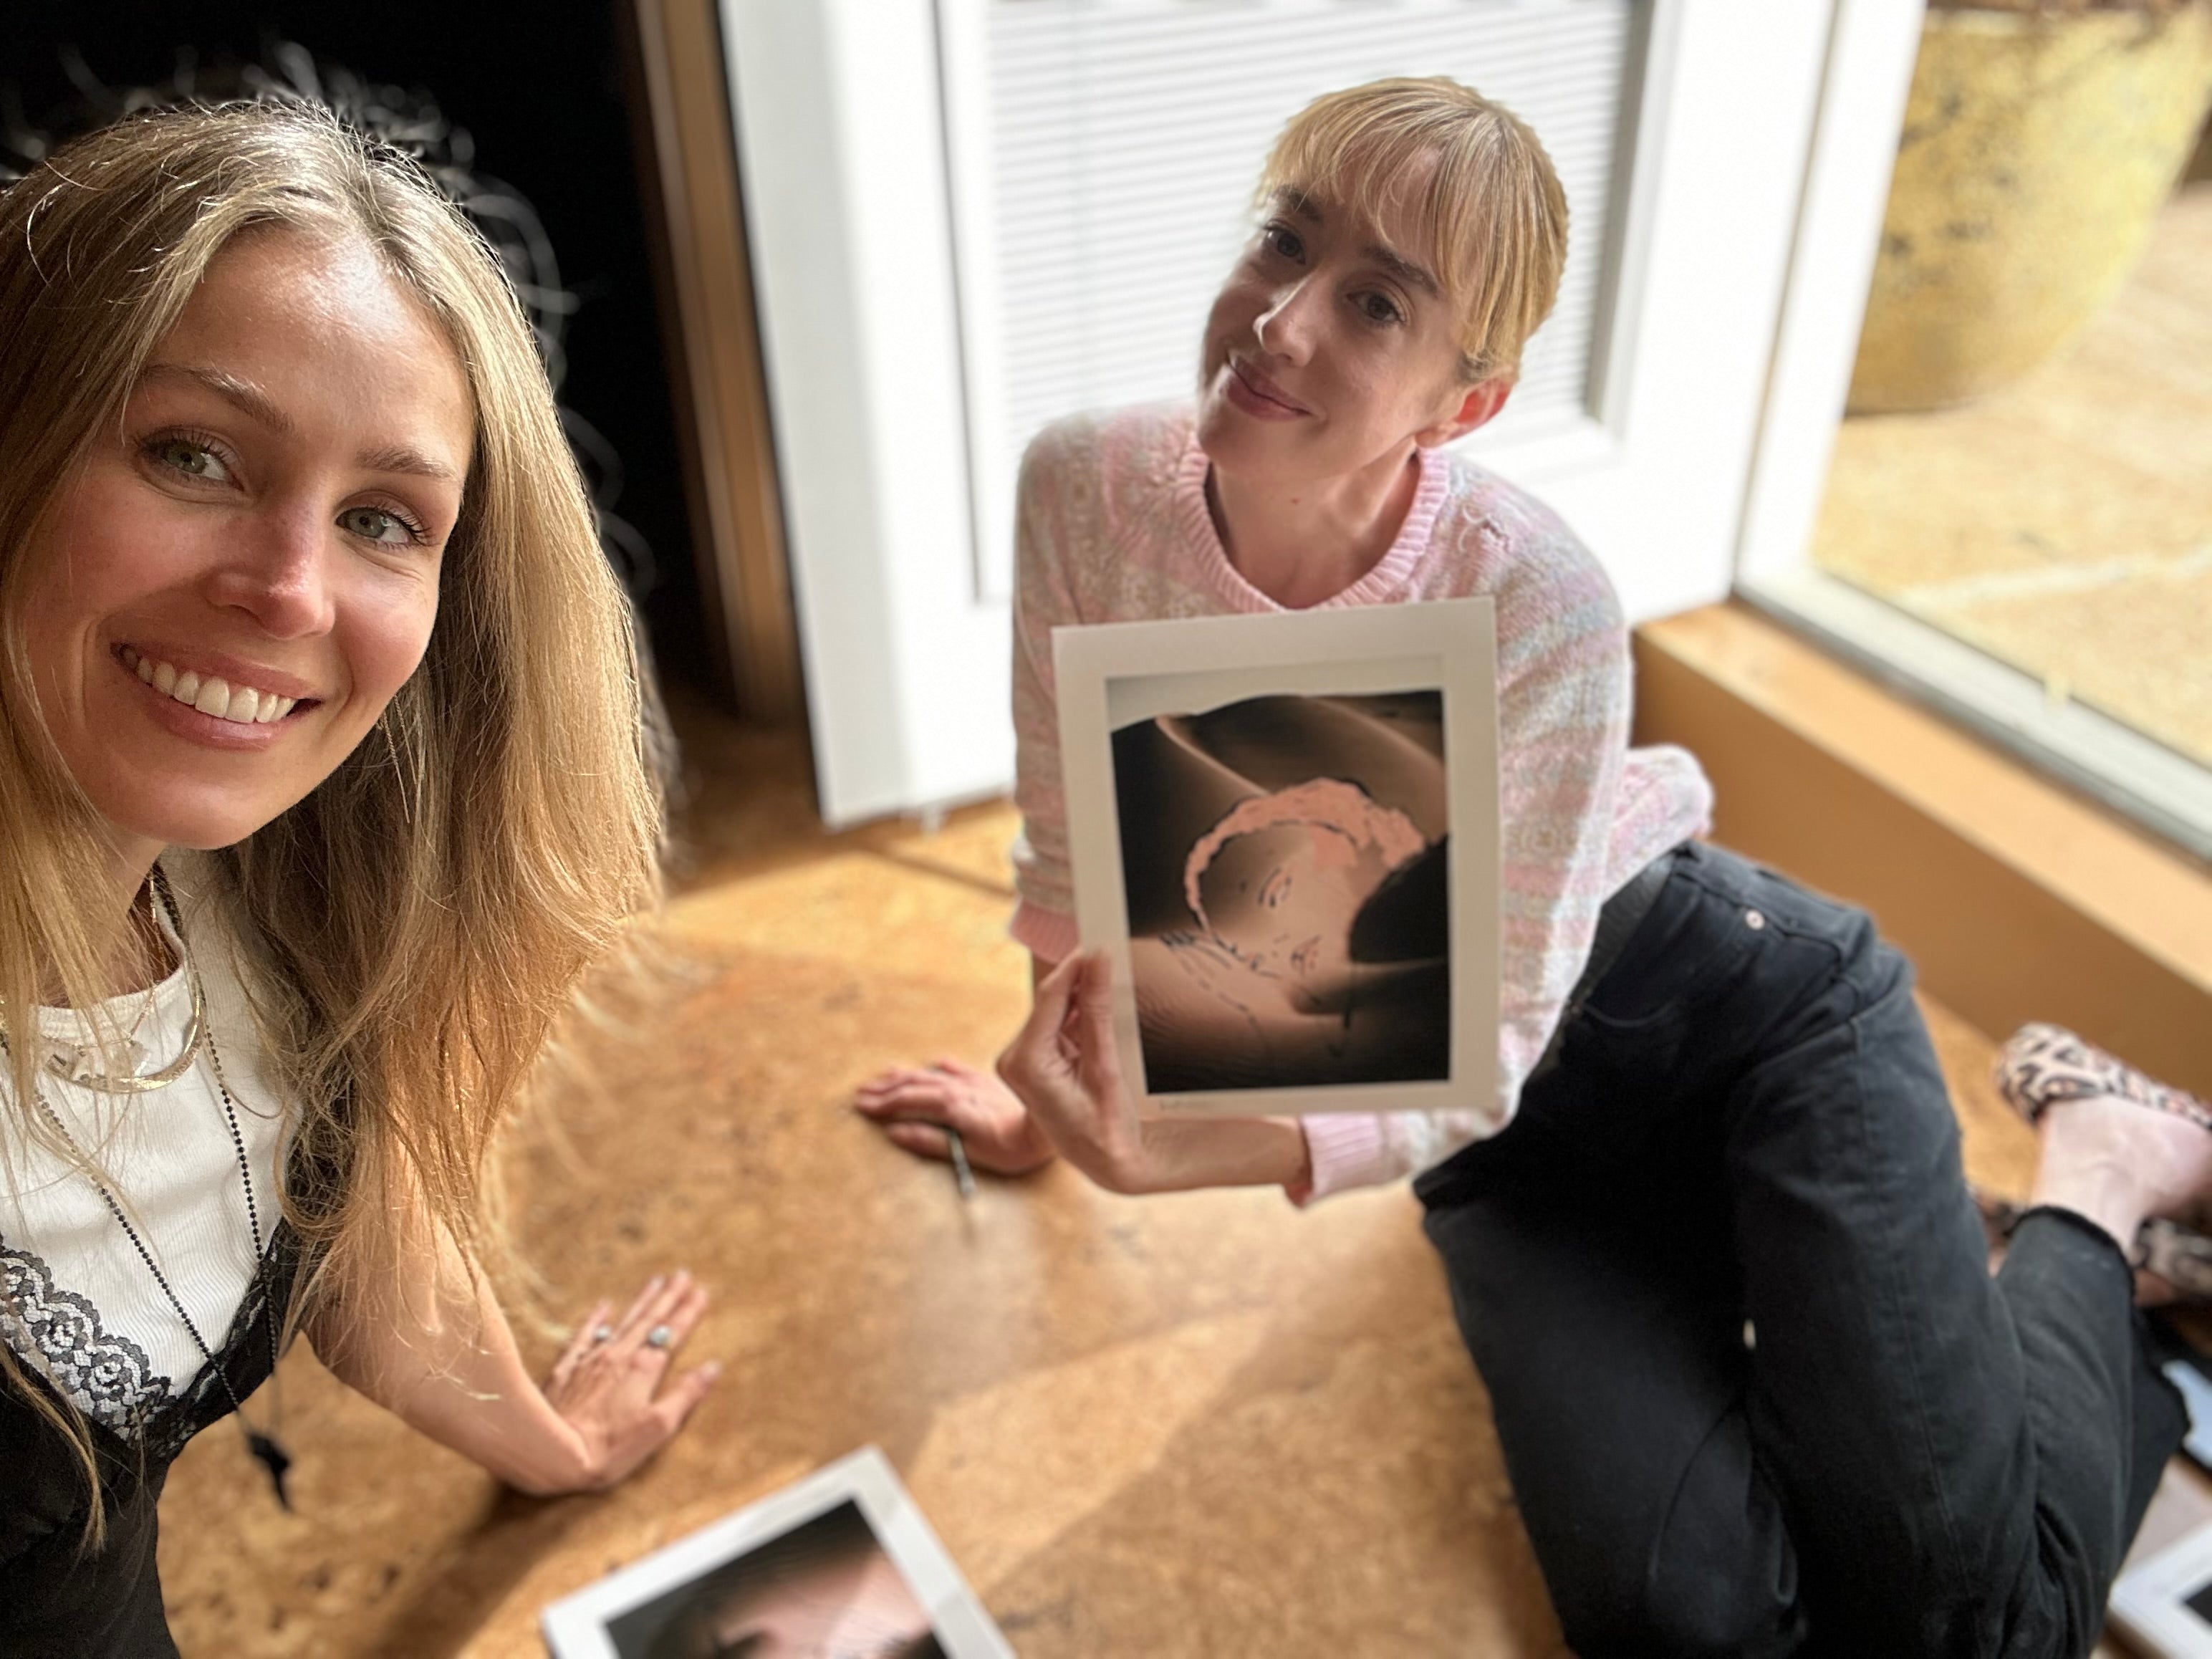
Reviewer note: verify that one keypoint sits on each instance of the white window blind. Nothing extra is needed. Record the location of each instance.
(1103, 155)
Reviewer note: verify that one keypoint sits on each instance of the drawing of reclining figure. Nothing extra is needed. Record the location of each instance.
(1283, 858)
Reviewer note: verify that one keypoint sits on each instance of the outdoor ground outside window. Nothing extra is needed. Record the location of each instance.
(2017, 515)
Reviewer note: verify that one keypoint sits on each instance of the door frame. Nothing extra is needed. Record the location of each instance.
(844, 174)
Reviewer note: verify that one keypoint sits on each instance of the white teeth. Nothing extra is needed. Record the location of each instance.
(241, 705)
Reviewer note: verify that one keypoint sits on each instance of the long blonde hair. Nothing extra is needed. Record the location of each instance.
(413, 928)
(1487, 195)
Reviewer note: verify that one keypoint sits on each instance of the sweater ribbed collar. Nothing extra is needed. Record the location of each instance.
(1389, 575)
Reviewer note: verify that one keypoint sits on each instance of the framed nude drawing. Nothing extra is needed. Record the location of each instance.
(1284, 830)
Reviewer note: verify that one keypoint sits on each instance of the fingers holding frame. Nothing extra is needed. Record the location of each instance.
(1035, 1059)
(1062, 1065)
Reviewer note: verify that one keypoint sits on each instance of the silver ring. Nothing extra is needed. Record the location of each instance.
(603, 1334)
(659, 1337)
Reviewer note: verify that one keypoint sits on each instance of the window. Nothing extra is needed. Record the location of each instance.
(2033, 552)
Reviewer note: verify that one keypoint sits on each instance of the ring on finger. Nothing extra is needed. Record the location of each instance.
(659, 1337)
(601, 1334)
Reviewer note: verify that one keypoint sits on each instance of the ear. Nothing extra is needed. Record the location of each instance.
(1478, 407)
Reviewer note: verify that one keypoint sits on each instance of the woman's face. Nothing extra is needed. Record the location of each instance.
(233, 583)
(1331, 344)
(845, 1606)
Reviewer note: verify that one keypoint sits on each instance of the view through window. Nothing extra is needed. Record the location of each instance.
(2063, 524)
(2027, 463)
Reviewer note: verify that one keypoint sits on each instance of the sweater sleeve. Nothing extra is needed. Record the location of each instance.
(1563, 717)
(1044, 918)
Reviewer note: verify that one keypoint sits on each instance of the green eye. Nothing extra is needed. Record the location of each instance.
(386, 526)
(369, 523)
(186, 456)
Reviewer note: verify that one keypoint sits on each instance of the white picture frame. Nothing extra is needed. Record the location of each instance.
(2165, 1606)
(611, 1619)
(1120, 677)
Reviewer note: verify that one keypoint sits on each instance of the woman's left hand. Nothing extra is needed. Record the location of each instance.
(1064, 1067)
(613, 1385)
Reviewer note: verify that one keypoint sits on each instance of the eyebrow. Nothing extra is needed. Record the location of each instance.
(1297, 202)
(399, 458)
(251, 402)
(229, 387)
(1400, 266)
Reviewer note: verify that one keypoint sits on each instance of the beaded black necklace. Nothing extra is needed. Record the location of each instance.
(264, 1446)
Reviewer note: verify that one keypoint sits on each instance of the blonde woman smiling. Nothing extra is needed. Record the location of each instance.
(322, 785)
(1708, 1244)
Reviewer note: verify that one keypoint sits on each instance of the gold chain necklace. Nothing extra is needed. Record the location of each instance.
(78, 1063)
(261, 1443)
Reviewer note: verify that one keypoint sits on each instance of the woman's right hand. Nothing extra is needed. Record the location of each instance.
(613, 1387)
(914, 1105)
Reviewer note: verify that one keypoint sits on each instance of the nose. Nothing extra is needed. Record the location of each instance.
(1285, 329)
(277, 571)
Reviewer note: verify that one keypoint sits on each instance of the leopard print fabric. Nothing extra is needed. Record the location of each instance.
(2043, 1064)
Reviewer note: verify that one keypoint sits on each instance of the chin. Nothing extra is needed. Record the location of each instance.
(1243, 447)
(1225, 435)
(202, 824)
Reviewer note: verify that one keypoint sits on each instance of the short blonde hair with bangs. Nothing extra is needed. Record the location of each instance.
(1481, 183)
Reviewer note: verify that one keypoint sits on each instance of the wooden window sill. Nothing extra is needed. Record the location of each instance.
(2016, 898)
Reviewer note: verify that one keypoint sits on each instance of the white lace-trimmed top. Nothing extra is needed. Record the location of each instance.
(89, 1316)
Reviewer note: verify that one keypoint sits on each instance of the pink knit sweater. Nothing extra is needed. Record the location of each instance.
(1112, 525)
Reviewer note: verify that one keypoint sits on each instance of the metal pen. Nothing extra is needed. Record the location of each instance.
(963, 1173)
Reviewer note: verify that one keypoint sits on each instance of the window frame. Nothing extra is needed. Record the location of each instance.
(1831, 272)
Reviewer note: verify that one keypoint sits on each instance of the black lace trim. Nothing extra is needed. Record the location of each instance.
(153, 1435)
(247, 1357)
(107, 1375)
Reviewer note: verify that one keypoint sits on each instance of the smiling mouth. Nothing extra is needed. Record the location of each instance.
(1264, 389)
(242, 705)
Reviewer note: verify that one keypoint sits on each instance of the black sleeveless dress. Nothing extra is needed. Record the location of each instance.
(55, 1601)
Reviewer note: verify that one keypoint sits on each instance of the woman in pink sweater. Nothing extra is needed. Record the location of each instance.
(1717, 1112)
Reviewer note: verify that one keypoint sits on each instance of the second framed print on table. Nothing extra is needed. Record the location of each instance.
(840, 1563)
(1284, 828)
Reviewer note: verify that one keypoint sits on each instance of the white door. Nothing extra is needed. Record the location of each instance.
(946, 197)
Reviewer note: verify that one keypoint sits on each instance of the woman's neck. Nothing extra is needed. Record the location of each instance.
(1304, 543)
(135, 955)
(142, 957)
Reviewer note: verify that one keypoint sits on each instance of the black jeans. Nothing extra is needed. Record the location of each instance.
(1757, 1390)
